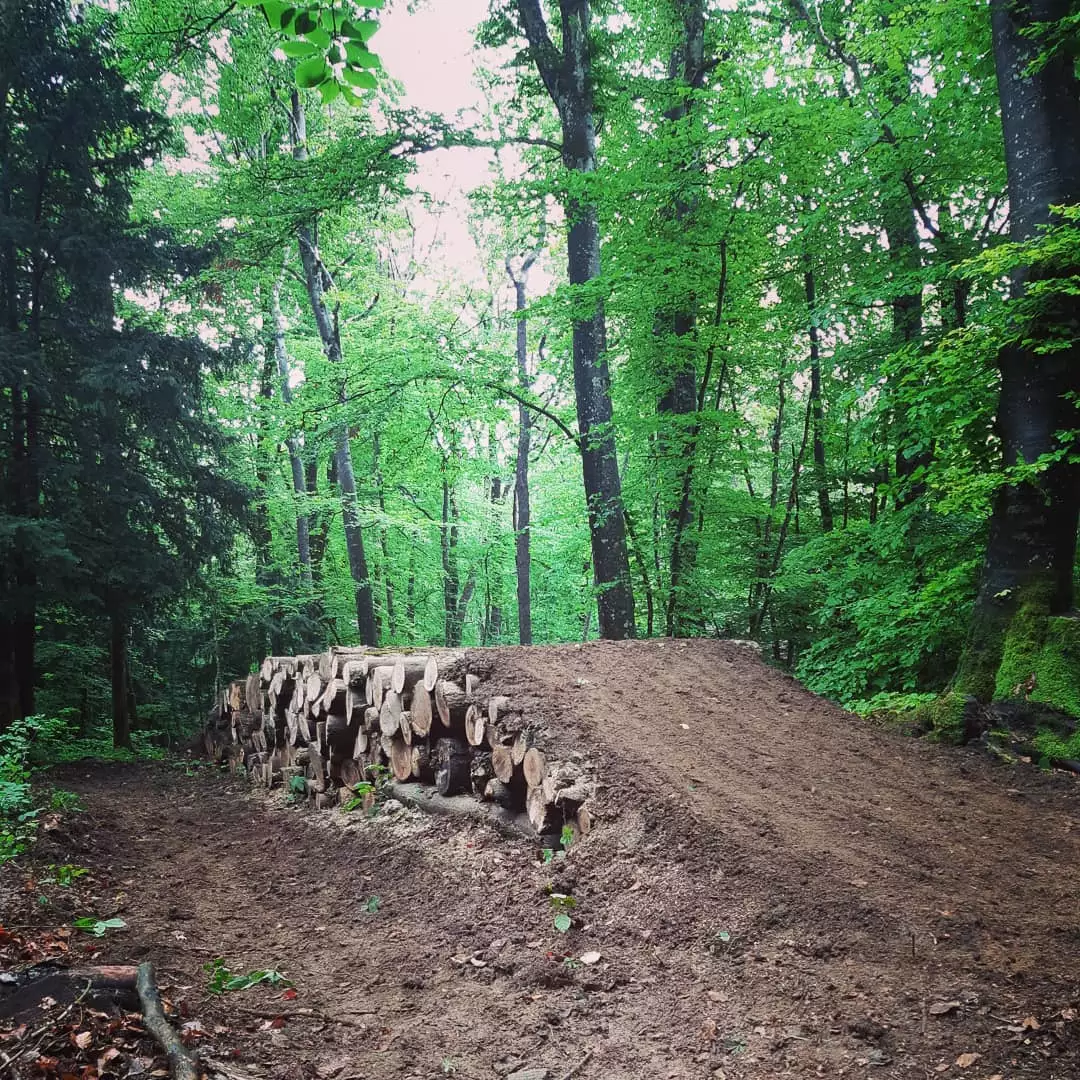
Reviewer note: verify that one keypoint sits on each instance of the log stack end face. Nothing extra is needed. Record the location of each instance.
(329, 722)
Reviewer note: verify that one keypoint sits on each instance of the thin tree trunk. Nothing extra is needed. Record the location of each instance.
(907, 319)
(683, 547)
(118, 679)
(677, 329)
(567, 74)
(522, 509)
(326, 322)
(384, 543)
(296, 464)
(821, 475)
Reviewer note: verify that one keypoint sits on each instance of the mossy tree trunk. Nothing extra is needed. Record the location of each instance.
(1020, 638)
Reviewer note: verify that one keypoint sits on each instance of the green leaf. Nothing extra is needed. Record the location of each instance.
(329, 91)
(273, 10)
(360, 29)
(312, 72)
(97, 927)
(364, 79)
(562, 922)
(361, 58)
(305, 23)
(319, 36)
(286, 17)
(298, 50)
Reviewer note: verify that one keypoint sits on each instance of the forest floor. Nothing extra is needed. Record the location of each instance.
(775, 889)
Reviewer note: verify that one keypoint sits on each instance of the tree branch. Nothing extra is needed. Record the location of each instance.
(548, 58)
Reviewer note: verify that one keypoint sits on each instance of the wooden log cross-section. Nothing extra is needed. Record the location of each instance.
(427, 717)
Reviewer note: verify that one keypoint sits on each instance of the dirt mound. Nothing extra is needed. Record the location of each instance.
(774, 889)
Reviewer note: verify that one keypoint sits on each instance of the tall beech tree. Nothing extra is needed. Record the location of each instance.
(1019, 641)
(567, 75)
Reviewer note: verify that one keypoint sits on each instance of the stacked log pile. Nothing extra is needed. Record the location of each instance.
(340, 720)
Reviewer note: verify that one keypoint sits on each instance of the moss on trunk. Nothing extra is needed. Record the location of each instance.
(949, 718)
(1057, 667)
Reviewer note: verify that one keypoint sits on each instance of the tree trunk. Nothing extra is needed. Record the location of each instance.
(119, 679)
(522, 510)
(567, 74)
(316, 279)
(1028, 569)
(907, 318)
(821, 475)
(296, 465)
(384, 546)
(675, 328)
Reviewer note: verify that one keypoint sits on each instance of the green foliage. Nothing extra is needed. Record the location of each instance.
(330, 41)
(65, 875)
(183, 368)
(885, 606)
(222, 981)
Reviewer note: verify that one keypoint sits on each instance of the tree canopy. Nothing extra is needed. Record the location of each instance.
(759, 323)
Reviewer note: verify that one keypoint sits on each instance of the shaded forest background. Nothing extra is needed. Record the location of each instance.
(756, 344)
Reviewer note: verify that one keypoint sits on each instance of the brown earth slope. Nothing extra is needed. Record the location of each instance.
(775, 889)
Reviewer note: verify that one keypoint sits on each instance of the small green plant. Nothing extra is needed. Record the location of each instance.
(223, 981)
(566, 837)
(65, 800)
(362, 791)
(297, 785)
(562, 905)
(98, 927)
(65, 875)
(447, 1066)
(373, 904)
(547, 855)
(720, 942)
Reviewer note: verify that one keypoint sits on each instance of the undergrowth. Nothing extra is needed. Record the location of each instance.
(29, 746)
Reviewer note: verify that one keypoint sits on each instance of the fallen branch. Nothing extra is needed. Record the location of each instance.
(182, 1064)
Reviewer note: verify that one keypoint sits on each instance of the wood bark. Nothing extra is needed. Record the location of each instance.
(821, 475)
(452, 763)
(118, 679)
(316, 280)
(522, 513)
(296, 465)
(567, 75)
(1033, 526)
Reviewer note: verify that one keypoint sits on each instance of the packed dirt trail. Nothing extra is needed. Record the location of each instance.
(775, 889)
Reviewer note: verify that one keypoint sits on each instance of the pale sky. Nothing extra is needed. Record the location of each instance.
(430, 51)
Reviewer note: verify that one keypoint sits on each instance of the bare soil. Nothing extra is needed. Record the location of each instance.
(775, 889)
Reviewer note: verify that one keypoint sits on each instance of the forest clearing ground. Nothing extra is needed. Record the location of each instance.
(775, 888)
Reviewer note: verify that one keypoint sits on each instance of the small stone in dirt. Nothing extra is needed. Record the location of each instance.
(392, 806)
(530, 1074)
(943, 1008)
